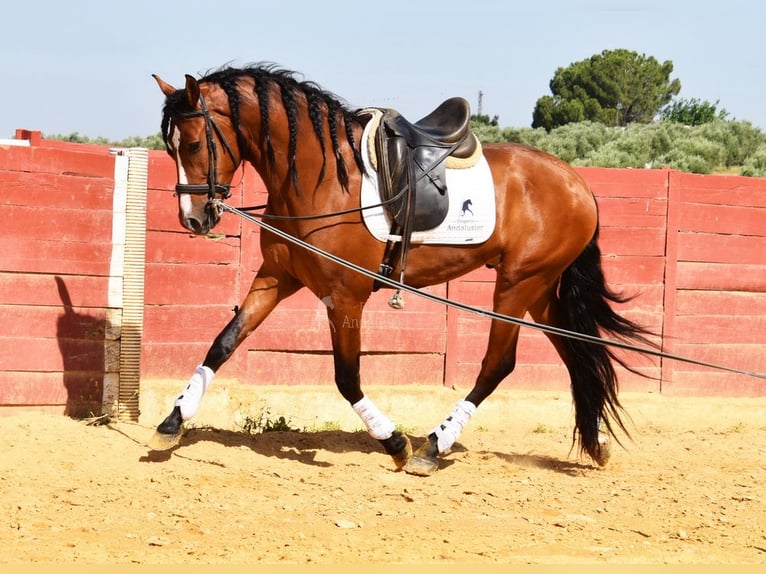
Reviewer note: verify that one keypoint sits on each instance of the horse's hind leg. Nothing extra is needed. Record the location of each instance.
(499, 361)
(265, 293)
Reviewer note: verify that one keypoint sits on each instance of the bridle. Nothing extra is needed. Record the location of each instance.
(213, 187)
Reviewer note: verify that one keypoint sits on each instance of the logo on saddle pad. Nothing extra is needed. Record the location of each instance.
(456, 202)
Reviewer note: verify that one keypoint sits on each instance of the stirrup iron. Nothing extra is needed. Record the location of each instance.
(396, 301)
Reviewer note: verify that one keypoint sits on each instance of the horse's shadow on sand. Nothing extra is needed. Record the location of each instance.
(303, 447)
(297, 446)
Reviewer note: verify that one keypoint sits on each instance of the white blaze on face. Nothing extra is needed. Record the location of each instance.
(184, 199)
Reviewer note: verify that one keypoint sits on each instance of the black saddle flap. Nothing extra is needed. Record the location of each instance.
(410, 164)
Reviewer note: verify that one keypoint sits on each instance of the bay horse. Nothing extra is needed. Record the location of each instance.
(305, 143)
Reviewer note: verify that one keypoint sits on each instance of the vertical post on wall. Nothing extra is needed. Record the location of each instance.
(126, 284)
(671, 277)
(133, 282)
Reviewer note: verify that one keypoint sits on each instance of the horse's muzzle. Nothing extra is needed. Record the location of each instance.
(201, 224)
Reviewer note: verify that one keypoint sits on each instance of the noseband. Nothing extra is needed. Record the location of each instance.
(212, 187)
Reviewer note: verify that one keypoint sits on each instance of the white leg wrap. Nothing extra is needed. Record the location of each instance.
(449, 431)
(191, 397)
(378, 425)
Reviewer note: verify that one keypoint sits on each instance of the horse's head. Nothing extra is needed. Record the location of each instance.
(197, 131)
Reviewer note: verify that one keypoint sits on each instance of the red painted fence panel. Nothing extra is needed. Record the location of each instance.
(691, 249)
(718, 296)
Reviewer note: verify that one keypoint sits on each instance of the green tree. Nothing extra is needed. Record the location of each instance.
(150, 142)
(615, 87)
(485, 119)
(692, 112)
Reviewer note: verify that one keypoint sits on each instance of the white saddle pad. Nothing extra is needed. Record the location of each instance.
(471, 215)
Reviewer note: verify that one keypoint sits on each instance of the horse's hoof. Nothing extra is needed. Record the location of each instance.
(603, 450)
(168, 432)
(165, 441)
(424, 461)
(421, 466)
(404, 455)
(398, 446)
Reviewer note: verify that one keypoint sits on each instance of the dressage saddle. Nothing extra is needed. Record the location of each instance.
(412, 162)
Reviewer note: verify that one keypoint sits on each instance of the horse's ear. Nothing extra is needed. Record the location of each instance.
(192, 90)
(166, 88)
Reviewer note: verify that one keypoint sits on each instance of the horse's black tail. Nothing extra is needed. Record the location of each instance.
(585, 301)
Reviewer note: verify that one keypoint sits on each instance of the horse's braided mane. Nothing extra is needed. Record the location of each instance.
(321, 105)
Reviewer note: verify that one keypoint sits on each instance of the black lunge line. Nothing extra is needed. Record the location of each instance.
(481, 312)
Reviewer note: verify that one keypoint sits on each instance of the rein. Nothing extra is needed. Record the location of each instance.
(219, 204)
(314, 216)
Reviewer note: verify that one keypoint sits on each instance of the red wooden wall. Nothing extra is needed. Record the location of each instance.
(715, 303)
(690, 247)
(430, 344)
(54, 272)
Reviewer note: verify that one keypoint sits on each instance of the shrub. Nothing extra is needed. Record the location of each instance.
(755, 164)
(704, 148)
(696, 154)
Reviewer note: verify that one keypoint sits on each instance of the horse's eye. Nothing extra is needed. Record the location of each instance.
(194, 147)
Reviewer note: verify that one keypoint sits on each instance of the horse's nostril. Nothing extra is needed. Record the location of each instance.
(194, 225)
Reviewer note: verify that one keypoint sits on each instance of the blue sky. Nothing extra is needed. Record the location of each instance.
(85, 66)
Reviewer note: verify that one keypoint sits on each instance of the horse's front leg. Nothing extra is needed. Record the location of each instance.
(264, 294)
(345, 324)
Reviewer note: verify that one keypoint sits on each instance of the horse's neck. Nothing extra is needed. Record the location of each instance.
(277, 175)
